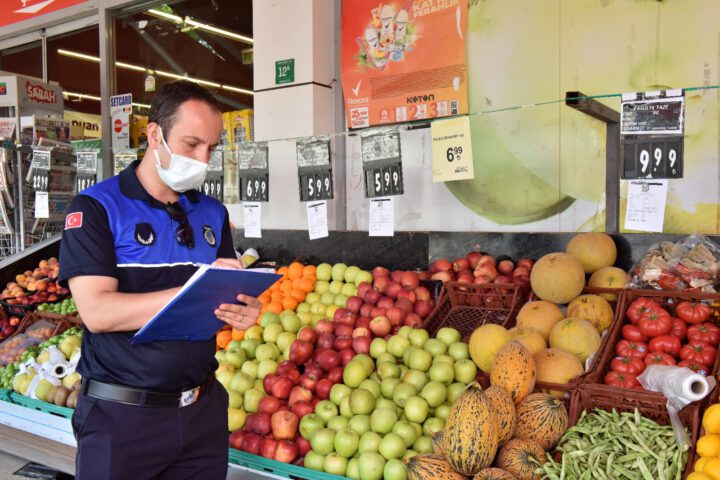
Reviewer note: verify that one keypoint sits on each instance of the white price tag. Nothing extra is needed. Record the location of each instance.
(317, 219)
(646, 205)
(42, 205)
(252, 212)
(452, 156)
(381, 217)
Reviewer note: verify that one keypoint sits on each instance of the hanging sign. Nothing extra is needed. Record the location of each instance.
(315, 170)
(452, 157)
(213, 184)
(252, 214)
(86, 169)
(381, 217)
(40, 169)
(317, 219)
(123, 158)
(646, 202)
(253, 171)
(652, 134)
(382, 163)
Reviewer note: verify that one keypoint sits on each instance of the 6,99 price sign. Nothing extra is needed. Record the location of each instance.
(382, 163)
(253, 172)
(452, 157)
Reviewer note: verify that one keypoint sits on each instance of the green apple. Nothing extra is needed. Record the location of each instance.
(409, 453)
(291, 323)
(420, 360)
(418, 337)
(303, 307)
(335, 464)
(322, 441)
(272, 332)
(392, 446)
(350, 273)
(312, 298)
(402, 393)
(321, 287)
(353, 469)
(377, 347)
(258, 385)
(223, 377)
(249, 345)
(346, 442)
(250, 368)
(406, 431)
(219, 356)
(267, 367)
(345, 409)
(269, 317)
(396, 345)
(314, 461)
(382, 420)
(363, 276)
(386, 403)
(336, 287)
(443, 411)
(454, 391)
(365, 360)
(388, 386)
(236, 358)
(416, 409)
(235, 399)
(305, 318)
(394, 470)
(318, 309)
(385, 357)
(448, 335)
(465, 371)
(236, 419)
(435, 347)
(349, 289)
(359, 424)
(444, 359)
(388, 370)
(331, 309)
(416, 378)
(284, 341)
(316, 317)
(423, 445)
(459, 350)
(369, 442)
(372, 387)
(372, 465)
(361, 402)
(434, 393)
(340, 300)
(407, 352)
(327, 298)
(405, 331)
(310, 424)
(324, 272)
(338, 392)
(326, 410)
(233, 346)
(433, 425)
(241, 383)
(254, 333)
(338, 423)
(266, 351)
(251, 400)
(442, 372)
(338, 271)
(355, 373)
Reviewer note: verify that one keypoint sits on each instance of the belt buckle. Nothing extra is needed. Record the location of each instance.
(188, 397)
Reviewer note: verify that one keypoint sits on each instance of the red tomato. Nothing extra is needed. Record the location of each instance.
(679, 328)
(695, 367)
(665, 344)
(655, 324)
(631, 365)
(659, 359)
(698, 352)
(622, 380)
(633, 333)
(704, 332)
(626, 348)
(693, 312)
(641, 306)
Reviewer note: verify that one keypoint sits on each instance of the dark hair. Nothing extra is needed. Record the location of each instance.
(171, 96)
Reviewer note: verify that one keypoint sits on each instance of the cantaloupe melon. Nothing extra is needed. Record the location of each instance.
(608, 277)
(485, 342)
(539, 315)
(557, 278)
(592, 308)
(555, 365)
(576, 336)
(531, 338)
(593, 250)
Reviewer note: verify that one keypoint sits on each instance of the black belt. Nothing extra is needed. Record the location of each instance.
(142, 397)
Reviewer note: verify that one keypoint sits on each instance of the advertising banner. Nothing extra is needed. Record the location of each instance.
(403, 60)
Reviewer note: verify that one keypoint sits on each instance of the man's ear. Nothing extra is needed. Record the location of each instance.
(153, 135)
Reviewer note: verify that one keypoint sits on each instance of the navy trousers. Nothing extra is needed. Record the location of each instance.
(126, 442)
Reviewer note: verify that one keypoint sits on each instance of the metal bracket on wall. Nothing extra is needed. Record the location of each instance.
(598, 111)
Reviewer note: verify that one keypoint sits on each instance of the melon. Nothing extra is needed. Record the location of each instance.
(542, 418)
(531, 338)
(557, 278)
(504, 409)
(608, 277)
(485, 342)
(514, 370)
(576, 336)
(592, 308)
(555, 365)
(593, 250)
(539, 315)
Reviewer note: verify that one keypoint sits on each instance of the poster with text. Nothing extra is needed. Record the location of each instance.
(403, 60)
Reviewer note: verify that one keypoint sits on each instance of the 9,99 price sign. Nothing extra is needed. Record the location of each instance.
(315, 170)
(382, 163)
(253, 172)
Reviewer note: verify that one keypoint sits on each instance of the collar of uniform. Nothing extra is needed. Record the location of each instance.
(131, 187)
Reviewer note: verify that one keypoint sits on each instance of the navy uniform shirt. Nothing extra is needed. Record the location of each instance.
(116, 229)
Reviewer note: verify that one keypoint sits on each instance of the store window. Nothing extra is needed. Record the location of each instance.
(24, 60)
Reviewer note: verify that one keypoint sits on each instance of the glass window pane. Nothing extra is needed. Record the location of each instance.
(24, 60)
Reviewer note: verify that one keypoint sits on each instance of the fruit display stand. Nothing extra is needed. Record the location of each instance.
(274, 469)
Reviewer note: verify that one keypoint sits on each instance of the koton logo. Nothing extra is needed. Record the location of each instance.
(420, 98)
(40, 94)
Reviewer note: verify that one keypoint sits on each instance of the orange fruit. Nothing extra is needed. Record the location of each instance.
(223, 338)
(297, 294)
(275, 307)
(290, 303)
(264, 297)
(307, 285)
(276, 296)
(309, 270)
(238, 334)
(295, 270)
(282, 271)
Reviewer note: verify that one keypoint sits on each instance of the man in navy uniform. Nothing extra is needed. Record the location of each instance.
(151, 410)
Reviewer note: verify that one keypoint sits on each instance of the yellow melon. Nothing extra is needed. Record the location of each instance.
(555, 365)
(539, 315)
(557, 277)
(485, 342)
(531, 338)
(593, 250)
(592, 308)
(608, 277)
(576, 336)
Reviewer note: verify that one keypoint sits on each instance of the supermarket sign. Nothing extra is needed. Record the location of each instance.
(15, 11)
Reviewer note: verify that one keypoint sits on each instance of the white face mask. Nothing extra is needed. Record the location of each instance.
(183, 173)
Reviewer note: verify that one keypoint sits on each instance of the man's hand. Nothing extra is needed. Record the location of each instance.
(241, 317)
(228, 263)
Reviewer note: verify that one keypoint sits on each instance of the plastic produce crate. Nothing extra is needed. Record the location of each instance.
(41, 406)
(274, 467)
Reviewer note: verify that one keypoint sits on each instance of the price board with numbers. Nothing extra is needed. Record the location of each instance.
(40, 169)
(123, 158)
(213, 184)
(382, 163)
(652, 134)
(315, 170)
(253, 172)
(86, 169)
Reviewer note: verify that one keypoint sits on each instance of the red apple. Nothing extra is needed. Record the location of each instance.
(381, 326)
(381, 283)
(299, 394)
(380, 272)
(385, 302)
(377, 311)
(328, 359)
(300, 352)
(236, 438)
(313, 368)
(259, 423)
(503, 279)
(526, 262)
(361, 344)
(505, 267)
(395, 316)
(361, 332)
(309, 381)
(422, 293)
(372, 297)
(324, 326)
(343, 330)
(465, 278)
(423, 308)
(323, 389)
(482, 279)
(302, 408)
(443, 276)
(405, 305)
(354, 303)
(348, 319)
(393, 289)
(269, 381)
(521, 271)
(487, 270)
(314, 402)
(460, 264)
(325, 340)
(363, 322)
(410, 280)
(269, 404)
(303, 445)
(286, 452)
(284, 425)
(473, 258)
(487, 259)
(396, 276)
(441, 265)
(424, 275)
(343, 342)
(365, 310)
(363, 288)
(288, 369)
(267, 448)
(339, 313)
(409, 294)
(346, 354)
(413, 320)
(335, 375)
(281, 388)
(251, 443)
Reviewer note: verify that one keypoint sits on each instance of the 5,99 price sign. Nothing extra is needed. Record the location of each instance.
(253, 172)
(382, 163)
(315, 170)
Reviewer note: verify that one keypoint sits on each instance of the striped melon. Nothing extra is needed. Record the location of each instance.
(437, 442)
(521, 458)
(494, 474)
(427, 467)
(471, 432)
(514, 370)
(543, 418)
(504, 409)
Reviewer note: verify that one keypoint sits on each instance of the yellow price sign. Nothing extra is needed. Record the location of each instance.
(452, 157)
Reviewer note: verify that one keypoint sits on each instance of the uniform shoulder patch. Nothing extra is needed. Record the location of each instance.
(145, 234)
(209, 235)
(73, 220)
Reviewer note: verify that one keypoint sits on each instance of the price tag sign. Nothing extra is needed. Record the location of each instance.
(39, 174)
(41, 159)
(317, 219)
(452, 150)
(652, 134)
(382, 163)
(213, 184)
(646, 202)
(122, 159)
(42, 205)
(252, 213)
(315, 170)
(381, 217)
(253, 172)
(86, 169)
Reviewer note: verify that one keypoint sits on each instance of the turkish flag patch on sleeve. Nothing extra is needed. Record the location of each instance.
(73, 220)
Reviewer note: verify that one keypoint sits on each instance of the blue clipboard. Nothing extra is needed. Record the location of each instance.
(190, 314)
